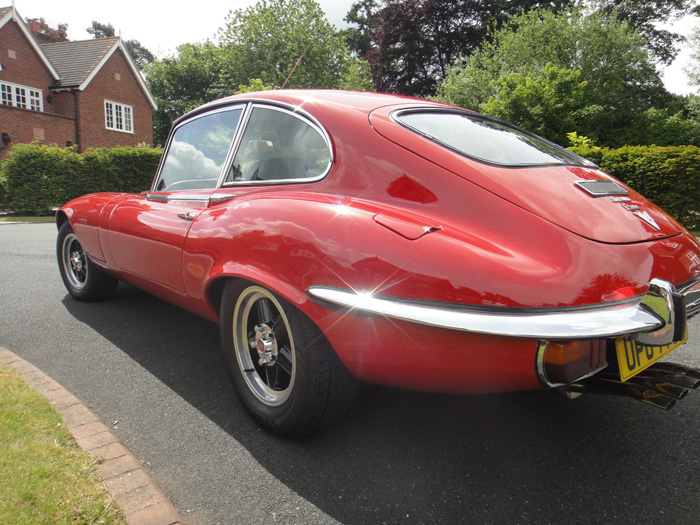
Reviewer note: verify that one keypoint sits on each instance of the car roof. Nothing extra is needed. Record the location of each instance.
(330, 100)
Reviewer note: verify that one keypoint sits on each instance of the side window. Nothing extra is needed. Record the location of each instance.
(279, 146)
(197, 152)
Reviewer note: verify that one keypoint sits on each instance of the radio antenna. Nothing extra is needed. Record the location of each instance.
(295, 65)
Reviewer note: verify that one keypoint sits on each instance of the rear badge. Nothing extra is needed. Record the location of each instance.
(608, 188)
(647, 218)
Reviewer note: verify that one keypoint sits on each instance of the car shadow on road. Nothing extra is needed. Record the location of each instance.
(407, 457)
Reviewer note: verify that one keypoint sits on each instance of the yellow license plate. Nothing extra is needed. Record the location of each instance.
(633, 357)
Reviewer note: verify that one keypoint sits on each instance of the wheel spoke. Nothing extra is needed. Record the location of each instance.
(268, 379)
(264, 310)
(260, 310)
(284, 360)
(280, 328)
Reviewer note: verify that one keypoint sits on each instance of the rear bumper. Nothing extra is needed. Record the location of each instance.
(658, 317)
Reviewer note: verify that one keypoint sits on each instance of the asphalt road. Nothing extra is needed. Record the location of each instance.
(155, 374)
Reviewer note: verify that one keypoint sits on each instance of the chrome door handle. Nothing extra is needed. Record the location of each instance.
(188, 215)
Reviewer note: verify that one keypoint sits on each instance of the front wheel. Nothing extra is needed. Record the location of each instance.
(83, 280)
(282, 367)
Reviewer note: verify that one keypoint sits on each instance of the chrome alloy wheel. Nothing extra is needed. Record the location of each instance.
(264, 346)
(74, 261)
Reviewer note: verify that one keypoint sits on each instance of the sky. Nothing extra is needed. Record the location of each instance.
(161, 26)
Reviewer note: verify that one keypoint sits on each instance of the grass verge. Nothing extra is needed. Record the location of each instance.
(45, 477)
(10, 218)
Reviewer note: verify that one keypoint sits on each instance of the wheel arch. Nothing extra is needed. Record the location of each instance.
(218, 283)
(61, 217)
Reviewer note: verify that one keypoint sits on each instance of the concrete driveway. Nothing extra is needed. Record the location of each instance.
(154, 373)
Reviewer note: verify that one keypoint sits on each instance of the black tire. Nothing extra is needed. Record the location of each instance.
(83, 280)
(303, 387)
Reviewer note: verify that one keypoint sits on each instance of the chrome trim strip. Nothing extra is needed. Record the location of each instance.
(155, 197)
(653, 316)
(598, 322)
(691, 292)
(659, 299)
(233, 148)
(217, 198)
(295, 112)
(186, 119)
(539, 366)
(178, 197)
(395, 117)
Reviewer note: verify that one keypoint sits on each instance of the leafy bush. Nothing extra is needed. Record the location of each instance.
(38, 178)
(2, 189)
(550, 103)
(669, 176)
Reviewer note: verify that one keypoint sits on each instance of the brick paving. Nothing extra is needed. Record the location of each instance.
(124, 477)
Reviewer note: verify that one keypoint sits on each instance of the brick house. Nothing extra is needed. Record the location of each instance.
(86, 93)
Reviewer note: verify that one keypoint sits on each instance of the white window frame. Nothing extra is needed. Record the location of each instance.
(119, 117)
(23, 97)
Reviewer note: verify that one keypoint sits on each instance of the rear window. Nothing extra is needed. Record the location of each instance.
(487, 140)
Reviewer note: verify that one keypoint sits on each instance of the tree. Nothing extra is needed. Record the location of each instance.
(550, 103)
(139, 54)
(99, 30)
(275, 37)
(621, 82)
(60, 34)
(363, 15)
(255, 84)
(183, 82)
(647, 17)
(693, 68)
(269, 44)
(357, 76)
(414, 42)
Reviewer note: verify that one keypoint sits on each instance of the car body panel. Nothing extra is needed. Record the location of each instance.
(146, 238)
(549, 191)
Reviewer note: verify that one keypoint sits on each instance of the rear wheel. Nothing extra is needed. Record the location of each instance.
(83, 280)
(281, 365)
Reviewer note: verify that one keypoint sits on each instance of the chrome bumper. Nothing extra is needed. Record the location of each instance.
(657, 318)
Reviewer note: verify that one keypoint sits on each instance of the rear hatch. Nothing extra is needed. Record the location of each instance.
(534, 174)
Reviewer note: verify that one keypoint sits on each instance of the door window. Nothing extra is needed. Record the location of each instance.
(280, 146)
(198, 150)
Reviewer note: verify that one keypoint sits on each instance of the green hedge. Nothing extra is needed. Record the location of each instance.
(669, 176)
(38, 178)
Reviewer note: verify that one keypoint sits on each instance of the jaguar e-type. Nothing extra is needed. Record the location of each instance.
(337, 236)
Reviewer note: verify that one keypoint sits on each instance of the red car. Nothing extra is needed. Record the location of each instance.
(337, 235)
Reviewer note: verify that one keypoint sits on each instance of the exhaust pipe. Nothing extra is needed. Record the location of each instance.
(660, 385)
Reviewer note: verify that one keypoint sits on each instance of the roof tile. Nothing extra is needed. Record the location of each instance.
(75, 61)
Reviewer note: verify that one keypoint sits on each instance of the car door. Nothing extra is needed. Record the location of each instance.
(147, 231)
(278, 149)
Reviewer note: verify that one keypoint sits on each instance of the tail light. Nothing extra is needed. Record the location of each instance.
(562, 362)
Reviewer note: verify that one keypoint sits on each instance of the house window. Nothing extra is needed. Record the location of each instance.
(119, 117)
(21, 96)
(35, 99)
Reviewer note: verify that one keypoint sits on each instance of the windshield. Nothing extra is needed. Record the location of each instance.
(487, 140)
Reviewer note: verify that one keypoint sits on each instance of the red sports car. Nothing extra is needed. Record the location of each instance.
(337, 235)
